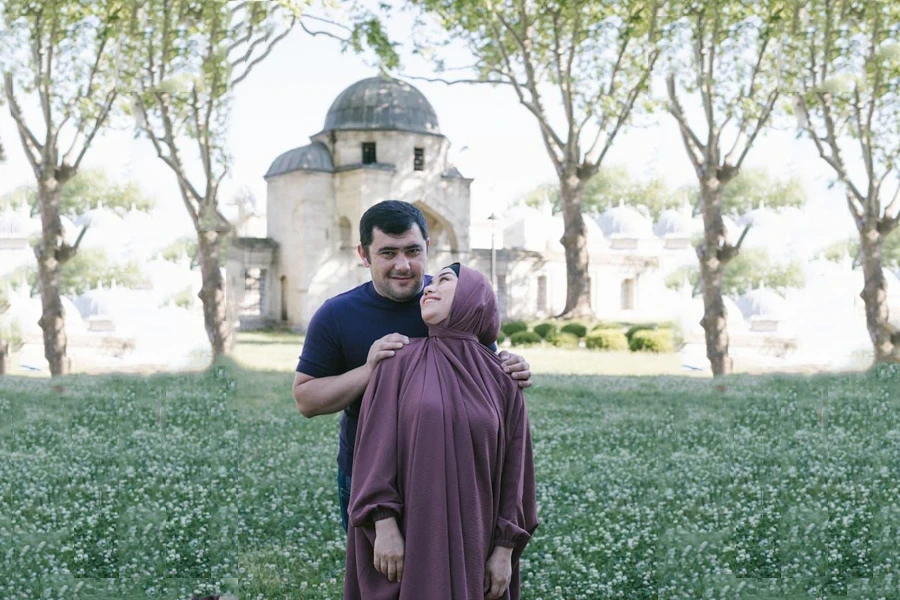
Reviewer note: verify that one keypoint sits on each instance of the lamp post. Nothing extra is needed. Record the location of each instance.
(493, 219)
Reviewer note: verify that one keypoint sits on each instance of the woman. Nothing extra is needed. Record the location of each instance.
(443, 496)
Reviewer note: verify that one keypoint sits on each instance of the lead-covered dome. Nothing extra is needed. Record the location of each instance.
(382, 103)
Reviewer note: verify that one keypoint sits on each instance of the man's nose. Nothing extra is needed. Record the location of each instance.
(402, 263)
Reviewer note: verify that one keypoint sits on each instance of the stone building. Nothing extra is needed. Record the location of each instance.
(381, 140)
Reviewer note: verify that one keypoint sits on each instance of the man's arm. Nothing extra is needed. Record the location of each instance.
(325, 395)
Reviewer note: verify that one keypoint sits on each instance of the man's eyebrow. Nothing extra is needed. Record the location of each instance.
(395, 248)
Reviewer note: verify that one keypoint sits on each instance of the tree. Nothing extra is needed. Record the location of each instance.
(596, 54)
(732, 69)
(751, 269)
(88, 189)
(190, 57)
(614, 186)
(755, 187)
(63, 54)
(89, 269)
(848, 104)
(890, 252)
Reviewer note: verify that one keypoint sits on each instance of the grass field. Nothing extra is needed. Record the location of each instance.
(649, 487)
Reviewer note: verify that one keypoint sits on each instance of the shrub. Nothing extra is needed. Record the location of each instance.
(563, 340)
(524, 338)
(545, 329)
(606, 339)
(652, 341)
(609, 325)
(511, 327)
(576, 328)
(501, 337)
(639, 327)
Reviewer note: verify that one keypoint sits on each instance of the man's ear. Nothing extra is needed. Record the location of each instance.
(362, 254)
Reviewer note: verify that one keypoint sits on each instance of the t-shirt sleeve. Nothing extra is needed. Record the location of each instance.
(321, 355)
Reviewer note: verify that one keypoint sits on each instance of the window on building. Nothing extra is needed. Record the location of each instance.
(254, 290)
(368, 153)
(628, 294)
(419, 159)
(542, 294)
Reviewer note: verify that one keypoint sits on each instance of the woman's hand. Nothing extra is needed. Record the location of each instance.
(389, 549)
(497, 573)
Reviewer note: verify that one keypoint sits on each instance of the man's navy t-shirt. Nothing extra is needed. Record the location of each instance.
(339, 337)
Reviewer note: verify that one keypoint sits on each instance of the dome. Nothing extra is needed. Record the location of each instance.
(694, 310)
(13, 224)
(676, 223)
(112, 303)
(764, 304)
(624, 221)
(382, 103)
(314, 157)
(101, 218)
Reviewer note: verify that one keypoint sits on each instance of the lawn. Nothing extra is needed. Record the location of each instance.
(649, 487)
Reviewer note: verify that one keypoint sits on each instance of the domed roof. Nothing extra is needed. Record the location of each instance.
(677, 223)
(15, 223)
(694, 309)
(763, 303)
(625, 221)
(382, 103)
(101, 218)
(314, 157)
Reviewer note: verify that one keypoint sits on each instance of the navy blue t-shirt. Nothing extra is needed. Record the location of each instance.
(339, 337)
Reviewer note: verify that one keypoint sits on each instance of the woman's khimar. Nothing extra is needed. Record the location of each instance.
(443, 445)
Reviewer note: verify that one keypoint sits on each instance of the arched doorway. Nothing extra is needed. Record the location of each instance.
(443, 237)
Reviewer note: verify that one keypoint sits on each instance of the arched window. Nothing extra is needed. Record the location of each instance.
(346, 232)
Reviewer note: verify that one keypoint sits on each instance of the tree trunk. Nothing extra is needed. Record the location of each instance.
(712, 269)
(52, 319)
(574, 240)
(212, 293)
(4, 355)
(885, 339)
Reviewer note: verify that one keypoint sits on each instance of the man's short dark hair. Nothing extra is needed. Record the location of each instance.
(393, 217)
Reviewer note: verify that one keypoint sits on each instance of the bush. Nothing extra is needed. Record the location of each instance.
(652, 341)
(545, 330)
(524, 338)
(578, 329)
(609, 325)
(511, 327)
(563, 340)
(606, 339)
(501, 337)
(640, 327)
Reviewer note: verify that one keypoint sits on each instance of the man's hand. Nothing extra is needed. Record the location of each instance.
(384, 348)
(389, 549)
(498, 573)
(516, 366)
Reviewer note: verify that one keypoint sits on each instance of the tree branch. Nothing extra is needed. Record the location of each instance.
(693, 145)
(33, 149)
(262, 56)
(759, 125)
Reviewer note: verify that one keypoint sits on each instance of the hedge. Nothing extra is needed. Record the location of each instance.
(578, 329)
(511, 327)
(606, 339)
(640, 327)
(563, 339)
(545, 330)
(652, 341)
(524, 338)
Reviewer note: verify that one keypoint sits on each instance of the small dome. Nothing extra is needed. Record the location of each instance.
(764, 304)
(314, 157)
(382, 103)
(111, 302)
(676, 223)
(625, 221)
(694, 310)
(14, 224)
(101, 218)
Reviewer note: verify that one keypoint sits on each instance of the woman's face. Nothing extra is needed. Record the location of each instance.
(438, 297)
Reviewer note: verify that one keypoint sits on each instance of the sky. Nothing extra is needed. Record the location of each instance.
(494, 139)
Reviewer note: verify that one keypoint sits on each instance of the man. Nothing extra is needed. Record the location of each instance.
(352, 332)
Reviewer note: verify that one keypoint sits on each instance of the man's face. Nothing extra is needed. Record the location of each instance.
(397, 263)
